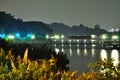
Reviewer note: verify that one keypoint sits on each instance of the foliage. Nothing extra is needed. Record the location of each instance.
(12, 68)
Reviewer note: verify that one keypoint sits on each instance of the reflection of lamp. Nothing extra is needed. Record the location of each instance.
(103, 54)
(115, 57)
(56, 50)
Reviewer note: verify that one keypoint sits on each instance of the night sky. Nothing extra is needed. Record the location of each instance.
(70, 12)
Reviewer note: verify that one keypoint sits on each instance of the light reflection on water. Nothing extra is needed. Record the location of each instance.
(93, 52)
(103, 54)
(80, 57)
(115, 56)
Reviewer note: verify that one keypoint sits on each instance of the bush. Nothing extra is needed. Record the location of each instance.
(12, 68)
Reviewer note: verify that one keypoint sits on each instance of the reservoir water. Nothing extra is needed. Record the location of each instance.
(80, 57)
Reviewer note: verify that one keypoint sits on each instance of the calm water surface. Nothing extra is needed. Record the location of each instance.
(80, 57)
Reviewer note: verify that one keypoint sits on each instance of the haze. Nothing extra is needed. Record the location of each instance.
(106, 13)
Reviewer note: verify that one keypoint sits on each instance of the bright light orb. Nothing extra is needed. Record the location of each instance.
(62, 36)
(11, 37)
(93, 36)
(33, 37)
(104, 36)
(47, 36)
(56, 36)
(115, 37)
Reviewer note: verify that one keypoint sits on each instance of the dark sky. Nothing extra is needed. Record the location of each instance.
(71, 12)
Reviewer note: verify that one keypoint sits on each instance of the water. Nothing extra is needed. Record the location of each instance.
(81, 56)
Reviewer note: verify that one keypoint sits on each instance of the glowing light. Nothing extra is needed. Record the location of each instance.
(62, 41)
(47, 36)
(69, 40)
(33, 37)
(17, 34)
(62, 49)
(93, 36)
(115, 57)
(77, 40)
(56, 50)
(93, 52)
(93, 45)
(85, 40)
(85, 52)
(117, 30)
(78, 51)
(104, 36)
(85, 45)
(62, 36)
(2, 35)
(103, 54)
(115, 37)
(92, 40)
(70, 52)
(11, 37)
(56, 36)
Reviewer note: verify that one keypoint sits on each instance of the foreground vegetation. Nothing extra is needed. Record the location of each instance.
(12, 68)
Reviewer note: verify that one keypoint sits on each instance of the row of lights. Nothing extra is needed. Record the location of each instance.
(55, 37)
(16, 36)
(113, 37)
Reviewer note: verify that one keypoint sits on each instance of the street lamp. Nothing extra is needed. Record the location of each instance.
(47, 36)
(11, 37)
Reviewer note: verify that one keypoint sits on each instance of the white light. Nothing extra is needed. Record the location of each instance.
(103, 54)
(47, 36)
(85, 52)
(114, 37)
(93, 52)
(78, 51)
(69, 40)
(85, 40)
(117, 30)
(93, 36)
(62, 49)
(70, 52)
(77, 40)
(62, 41)
(92, 40)
(11, 37)
(56, 50)
(93, 45)
(115, 57)
(62, 36)
(33, 37)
